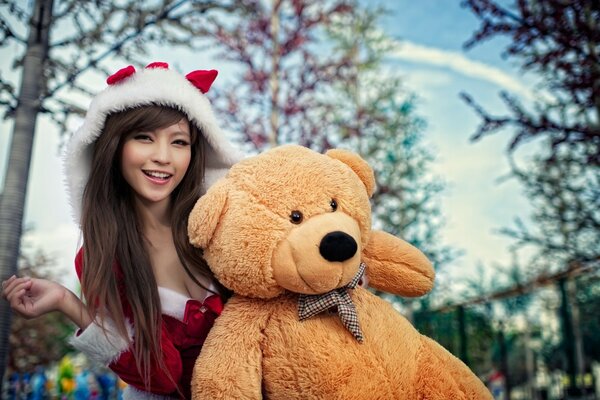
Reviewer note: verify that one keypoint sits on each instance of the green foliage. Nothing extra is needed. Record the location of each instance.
(481, 335)
(444, 327)
(588, 300)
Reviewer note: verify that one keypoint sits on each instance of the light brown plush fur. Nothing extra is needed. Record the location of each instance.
(258, 348)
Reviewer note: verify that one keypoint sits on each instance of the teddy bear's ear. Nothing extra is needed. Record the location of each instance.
(205, 215)
(358, 165)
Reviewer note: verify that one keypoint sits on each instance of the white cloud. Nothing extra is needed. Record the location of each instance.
(459, 63)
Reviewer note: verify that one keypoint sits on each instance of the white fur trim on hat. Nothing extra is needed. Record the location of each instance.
(146, 86)
(102, 347)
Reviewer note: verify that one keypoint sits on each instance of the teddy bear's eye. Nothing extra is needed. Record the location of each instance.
(333, 205)
(296, 217)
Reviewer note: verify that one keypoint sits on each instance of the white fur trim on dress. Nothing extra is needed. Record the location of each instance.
(132, 393)
(173, 303)
(146, 86)
(102, 346)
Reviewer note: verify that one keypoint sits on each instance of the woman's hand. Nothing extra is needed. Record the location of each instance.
(31, 297)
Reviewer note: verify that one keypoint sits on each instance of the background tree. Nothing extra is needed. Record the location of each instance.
(587, 300)
(59, 43)
(559, 41)
(370, 111)
(277, 48)
(565, 198)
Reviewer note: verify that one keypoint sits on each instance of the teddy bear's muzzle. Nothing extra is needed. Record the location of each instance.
(313, 258)
(338, 246)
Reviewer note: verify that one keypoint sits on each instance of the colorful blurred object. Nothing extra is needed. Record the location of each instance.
(65, 376)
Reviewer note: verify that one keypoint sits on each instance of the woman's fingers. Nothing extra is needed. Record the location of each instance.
(31, 297)
(11, 284)
(16, 292)
(17, 298)
(12, 281)
(12, 278)
(7, 286)
(6, 283)
(17, 289)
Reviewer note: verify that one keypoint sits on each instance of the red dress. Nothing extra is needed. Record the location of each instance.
(185, 325)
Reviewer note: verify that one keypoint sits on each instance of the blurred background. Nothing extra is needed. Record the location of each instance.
(481, 119)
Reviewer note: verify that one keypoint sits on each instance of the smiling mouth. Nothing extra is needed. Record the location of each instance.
(157, 176)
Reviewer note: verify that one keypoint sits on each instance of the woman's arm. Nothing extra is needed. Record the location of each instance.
(32, 297)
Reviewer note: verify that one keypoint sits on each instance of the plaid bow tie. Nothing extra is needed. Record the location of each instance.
(310, 305)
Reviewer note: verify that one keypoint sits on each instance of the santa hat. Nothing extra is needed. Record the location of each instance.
(154, 85)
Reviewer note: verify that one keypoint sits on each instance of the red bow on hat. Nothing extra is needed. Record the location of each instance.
(120, 75)
(202, 79)
(157, 64)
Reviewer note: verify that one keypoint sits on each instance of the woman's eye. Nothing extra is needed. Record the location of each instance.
(181, 142)
(142, 137)
(296, 217)
(333, 204)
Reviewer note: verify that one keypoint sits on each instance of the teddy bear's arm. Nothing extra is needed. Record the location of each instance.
(396, 266)
(440, 376)
(230, 363)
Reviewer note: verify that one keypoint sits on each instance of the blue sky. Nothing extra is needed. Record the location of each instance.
(430, 58)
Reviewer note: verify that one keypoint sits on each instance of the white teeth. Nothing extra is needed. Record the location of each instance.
(155, 174)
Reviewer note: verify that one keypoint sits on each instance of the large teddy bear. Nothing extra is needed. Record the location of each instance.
(289, 233)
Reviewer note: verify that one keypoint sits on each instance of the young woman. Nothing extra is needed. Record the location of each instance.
(148, 149)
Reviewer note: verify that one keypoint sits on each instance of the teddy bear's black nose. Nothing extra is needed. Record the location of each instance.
(338, 246)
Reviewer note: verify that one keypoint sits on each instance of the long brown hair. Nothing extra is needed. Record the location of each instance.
(112, 233)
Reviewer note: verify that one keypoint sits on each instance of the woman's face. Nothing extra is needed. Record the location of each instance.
(153, 163)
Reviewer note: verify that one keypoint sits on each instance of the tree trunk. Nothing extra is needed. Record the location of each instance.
(530, 364)
(568, 338)
(578, 340)
(463, 345)
(12, 203)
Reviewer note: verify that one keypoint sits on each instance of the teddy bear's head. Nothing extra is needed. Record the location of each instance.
(288, 219)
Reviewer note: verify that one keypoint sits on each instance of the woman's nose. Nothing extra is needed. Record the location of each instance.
(161, 154)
